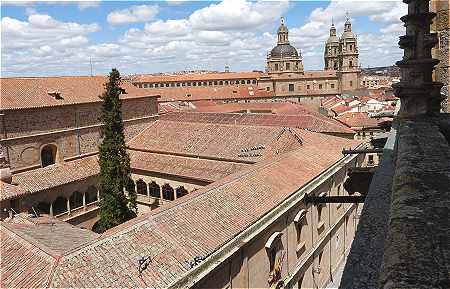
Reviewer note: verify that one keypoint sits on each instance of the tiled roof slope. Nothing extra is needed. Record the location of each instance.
(58, 174)
(10, 191)
(357, 119)
(30, 249)
(196, 76)
(286, 108)
(305, 121)
(212, 140)
(28, 92)
(196, 225)
(37, 180)
(208, 93)
(188, 167)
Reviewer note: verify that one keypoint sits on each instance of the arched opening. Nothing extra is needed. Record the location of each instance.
(48, 155)
(59, 205)
(168, 192)
(155, 190)
(43, 208)
(76, 200)
(141, 187)
(181, 191)
(242, 81)
(91, 195)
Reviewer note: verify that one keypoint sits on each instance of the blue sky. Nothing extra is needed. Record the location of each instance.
(59, 38)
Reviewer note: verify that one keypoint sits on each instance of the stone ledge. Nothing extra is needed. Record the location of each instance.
(366, 254)
(402, 240)
(417, 248)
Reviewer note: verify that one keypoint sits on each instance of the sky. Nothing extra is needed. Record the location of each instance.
(71, 37)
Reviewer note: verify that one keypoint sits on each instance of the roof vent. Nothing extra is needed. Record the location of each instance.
(55, 94)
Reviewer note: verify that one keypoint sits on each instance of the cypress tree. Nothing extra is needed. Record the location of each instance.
(117, 193)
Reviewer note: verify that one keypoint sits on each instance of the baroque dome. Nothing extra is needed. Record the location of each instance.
(284, 50)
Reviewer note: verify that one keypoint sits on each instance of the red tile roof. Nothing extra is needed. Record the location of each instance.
(31, 248)
(57, 175)
(357, 120)
(288, 108)
(305, 121)
(213, 140)
(195, 77)
(198, 224)
(208, 93)
(28, 92)
(188, 167)
(10, 191)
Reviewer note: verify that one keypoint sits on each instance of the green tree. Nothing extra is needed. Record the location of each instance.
(117, 192)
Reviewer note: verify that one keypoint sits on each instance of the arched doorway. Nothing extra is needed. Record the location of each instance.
(181, 191)
(168, 192)
(141, 187)
(91, 195)
(155, 190)
(76, 200)
(43, 208)
(59, 205)
(48, 155)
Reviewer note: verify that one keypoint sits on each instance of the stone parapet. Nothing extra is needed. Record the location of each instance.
(402, 240)
(417, 248)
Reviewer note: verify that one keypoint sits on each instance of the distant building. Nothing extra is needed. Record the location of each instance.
(284, 79)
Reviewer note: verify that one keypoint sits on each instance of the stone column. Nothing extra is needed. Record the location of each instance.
(51, 209)
(68, 206)
(98, 195)
(417, 91)
(84, 201)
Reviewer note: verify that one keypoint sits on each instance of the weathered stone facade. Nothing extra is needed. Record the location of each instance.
(441, 25)
(72, 129)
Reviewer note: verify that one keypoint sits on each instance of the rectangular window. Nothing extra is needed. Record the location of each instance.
(276, 66)
(320, 86)
(308, 86)
(291, 87)
(288, 66)
(332, 85)
(268, 88)
(351, 83)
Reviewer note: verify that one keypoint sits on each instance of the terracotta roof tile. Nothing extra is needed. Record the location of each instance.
(28, 92)
(198, 224)
(196, 76)
(214, 140)
(10, 191)
(357, 119)
(30, 249)
(305, 121)
(208, 93)
(58, 174)
(189, 167)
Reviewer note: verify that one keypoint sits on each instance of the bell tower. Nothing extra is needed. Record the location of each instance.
(349, 70)
(331, 52)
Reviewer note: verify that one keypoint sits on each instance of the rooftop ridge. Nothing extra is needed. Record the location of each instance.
(25, 238)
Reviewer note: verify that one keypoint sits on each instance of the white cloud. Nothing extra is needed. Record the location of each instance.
(139, 13)
(82, 5)
(233, 32)
(237, 14)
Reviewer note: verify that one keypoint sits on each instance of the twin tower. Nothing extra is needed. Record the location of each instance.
(341, 55)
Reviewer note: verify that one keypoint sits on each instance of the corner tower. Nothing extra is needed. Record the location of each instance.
(331, 52)
(284, 58)
(349, 70)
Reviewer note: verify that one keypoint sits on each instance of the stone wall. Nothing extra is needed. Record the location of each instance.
(441, 26)
(73, 129)
(310, 250)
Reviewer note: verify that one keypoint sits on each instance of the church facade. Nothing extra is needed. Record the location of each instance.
(286, 77)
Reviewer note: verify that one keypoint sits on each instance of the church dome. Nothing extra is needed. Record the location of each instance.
(284, 50)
